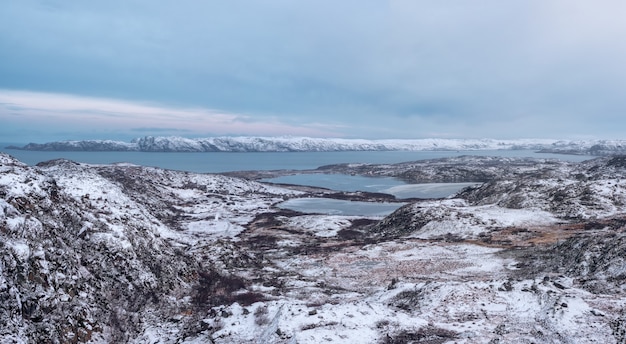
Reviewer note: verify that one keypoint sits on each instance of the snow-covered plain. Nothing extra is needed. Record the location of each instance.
(531, 252)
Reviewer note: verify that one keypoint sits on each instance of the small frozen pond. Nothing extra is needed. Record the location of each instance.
(339, 182)
(344, 182)
(392, 186)
(340, 207)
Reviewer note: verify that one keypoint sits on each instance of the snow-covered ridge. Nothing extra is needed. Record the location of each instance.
(309, 144)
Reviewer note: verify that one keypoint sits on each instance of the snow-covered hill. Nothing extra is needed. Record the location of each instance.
(307, 144)
(129, 254)
(100, 253)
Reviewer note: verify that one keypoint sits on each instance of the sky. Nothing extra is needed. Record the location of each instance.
(120, 69)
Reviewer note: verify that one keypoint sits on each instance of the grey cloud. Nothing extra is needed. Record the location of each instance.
(427, 66)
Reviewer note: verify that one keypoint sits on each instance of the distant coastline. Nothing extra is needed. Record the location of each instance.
(308, 144)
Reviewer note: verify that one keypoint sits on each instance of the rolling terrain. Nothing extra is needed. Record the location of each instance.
(125, 253)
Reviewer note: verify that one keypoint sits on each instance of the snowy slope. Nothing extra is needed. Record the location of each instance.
(83, 258)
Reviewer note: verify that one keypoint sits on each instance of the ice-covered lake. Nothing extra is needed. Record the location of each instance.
(340, 207)
(388, 185)
(342, 182)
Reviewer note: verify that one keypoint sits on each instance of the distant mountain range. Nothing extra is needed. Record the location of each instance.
(308, 144)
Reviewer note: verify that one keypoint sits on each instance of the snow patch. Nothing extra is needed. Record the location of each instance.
(470, 221)
(320, 225)
(20, 249)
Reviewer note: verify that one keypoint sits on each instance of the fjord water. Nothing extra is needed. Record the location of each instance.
(216, 162)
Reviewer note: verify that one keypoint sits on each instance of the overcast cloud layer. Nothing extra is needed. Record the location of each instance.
(119, 69)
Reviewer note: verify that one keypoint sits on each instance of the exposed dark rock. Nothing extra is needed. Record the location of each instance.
(424, 335)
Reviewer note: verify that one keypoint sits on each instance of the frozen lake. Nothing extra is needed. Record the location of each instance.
(388, 185)
(339, 207)
(341, 182)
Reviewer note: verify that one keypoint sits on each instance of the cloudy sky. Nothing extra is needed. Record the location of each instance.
(119, 69)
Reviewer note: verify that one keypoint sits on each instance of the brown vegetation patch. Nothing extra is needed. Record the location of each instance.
(424, 335)
(350, 234)
(518, 237)
(362, 196)
(262, 242)
(215, 289)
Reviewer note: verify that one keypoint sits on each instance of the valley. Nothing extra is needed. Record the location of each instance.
(532, 252)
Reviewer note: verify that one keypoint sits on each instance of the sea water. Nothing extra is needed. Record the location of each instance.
(216, 162)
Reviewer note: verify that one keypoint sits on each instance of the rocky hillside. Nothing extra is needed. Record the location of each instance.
(561, 191)
(76, 263)
(96, 253)
(461, 169)
(592, 189)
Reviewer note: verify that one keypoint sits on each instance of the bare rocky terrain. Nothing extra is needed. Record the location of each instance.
(121, 253)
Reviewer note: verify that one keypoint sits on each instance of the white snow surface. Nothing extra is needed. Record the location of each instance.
(457, 218)
(320, 225)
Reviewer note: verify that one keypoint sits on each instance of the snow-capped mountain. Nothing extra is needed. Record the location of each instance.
(588, 147)
(130, 254)
(307, 144)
